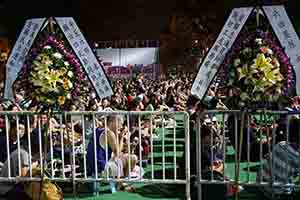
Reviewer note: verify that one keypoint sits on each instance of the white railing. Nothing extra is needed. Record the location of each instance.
(235, 128)
(58, 144)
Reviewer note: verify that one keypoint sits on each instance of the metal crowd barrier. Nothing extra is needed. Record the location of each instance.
(62, 153)
(268, 121)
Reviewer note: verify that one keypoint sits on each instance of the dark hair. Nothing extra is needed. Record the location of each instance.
(13, 125)
(206, 131)
(192, 101)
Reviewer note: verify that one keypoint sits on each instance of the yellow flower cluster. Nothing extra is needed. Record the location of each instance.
(52, 84)
(262, 75)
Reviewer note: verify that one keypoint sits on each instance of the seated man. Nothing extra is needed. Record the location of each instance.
(13, 139)
(285, 162)
(212, 166)
(110, 155)
(16, 190)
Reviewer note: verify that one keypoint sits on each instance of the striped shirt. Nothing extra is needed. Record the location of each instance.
(286, 166)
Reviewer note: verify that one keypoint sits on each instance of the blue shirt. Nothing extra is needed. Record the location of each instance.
(100, 151)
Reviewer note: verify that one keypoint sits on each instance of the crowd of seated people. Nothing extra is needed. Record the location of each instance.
(116, 144)
(122, 143)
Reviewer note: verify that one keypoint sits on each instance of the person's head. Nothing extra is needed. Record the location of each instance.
(115, 123)
(19, 98)
(16, 129)
(105, 103)
(44, 119)
(92, 106)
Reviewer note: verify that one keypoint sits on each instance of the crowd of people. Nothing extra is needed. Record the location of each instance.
(116, 142)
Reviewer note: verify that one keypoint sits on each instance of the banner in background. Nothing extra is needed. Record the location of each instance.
(127, 63)
(128, 56)
(19, 52)
(150, 72)
(216, 54)
(85, 54)
(118, 72)
(287, 36)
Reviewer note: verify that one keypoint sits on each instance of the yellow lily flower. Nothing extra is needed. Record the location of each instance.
(243, 71)
(273, 76)
(54, 77)
(262, 63)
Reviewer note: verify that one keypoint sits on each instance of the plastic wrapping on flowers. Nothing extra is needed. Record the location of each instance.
(52, 77)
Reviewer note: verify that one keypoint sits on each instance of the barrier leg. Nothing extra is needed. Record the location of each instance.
(96, 187)
(112, 187)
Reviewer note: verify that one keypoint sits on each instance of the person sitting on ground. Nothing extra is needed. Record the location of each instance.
(13, 139)
(285, 162)
(115, 161)
(11, 191)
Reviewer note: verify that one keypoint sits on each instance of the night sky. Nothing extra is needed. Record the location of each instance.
(119, 19)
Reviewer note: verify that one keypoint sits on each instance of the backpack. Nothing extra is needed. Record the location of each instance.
(44, 190)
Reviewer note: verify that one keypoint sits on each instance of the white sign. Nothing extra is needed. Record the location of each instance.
(217, 53)
(287, 36)
(129, 56)
(19, 52)
(85, 54)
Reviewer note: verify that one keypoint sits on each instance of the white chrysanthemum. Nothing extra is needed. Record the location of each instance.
(269, 51)
(70, 84)
(69, 96)
(57, 55)
(70, 74)
(66, 63)
(258, 41)
(47, 47)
